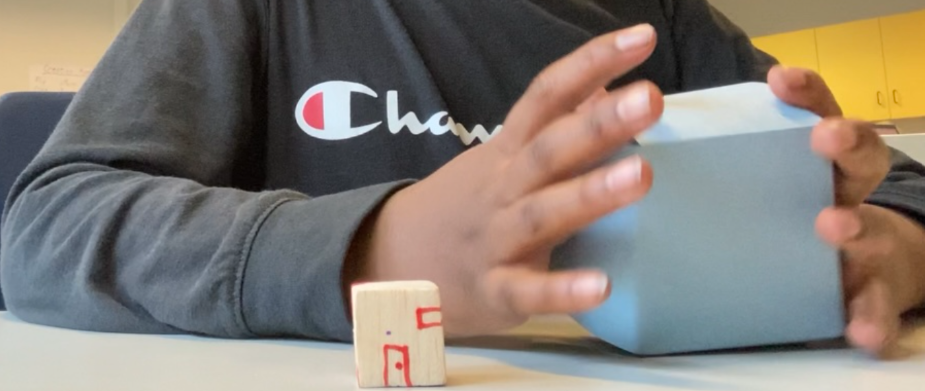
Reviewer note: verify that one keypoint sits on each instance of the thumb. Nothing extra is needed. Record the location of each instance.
(526, 292)
(874, 323)
(805, 89)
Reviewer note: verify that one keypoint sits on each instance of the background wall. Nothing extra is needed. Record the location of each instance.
(763, 17)
(69, 33)
(76, 33)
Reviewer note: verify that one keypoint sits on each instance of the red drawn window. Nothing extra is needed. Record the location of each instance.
(424, 311)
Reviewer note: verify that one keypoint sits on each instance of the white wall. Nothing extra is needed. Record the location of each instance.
(71, 33)
(76, 33)
(763, 17)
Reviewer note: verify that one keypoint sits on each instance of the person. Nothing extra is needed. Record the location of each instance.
(231, 168)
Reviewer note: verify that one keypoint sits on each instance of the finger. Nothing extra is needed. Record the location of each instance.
(865, 236)
(839, 226)
(805, 89)
(879, 250)
(524, 292)
(548, 216)
(862, 159)
(575, 142)
(592, 100)
(874, 322)
(867, 243)
(561, 87)
(862, 239)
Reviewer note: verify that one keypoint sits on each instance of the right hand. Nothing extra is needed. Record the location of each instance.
(484, 225)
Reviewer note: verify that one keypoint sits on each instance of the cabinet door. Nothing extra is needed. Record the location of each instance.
(904, 55)
(851, 61)
(793, 49)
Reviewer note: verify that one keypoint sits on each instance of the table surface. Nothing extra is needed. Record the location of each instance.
(546, 354)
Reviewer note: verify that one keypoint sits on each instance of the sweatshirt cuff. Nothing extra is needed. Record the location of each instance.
(897, 197)
(292, 277)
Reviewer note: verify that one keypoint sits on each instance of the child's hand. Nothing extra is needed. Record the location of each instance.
(884, 251)
(483, 226)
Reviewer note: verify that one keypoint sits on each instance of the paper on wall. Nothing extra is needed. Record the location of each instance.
(57, 78)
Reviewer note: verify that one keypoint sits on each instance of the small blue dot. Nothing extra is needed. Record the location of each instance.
(388, 333)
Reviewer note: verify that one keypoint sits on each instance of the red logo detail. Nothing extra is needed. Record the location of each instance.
(424, 311)
(314, 111)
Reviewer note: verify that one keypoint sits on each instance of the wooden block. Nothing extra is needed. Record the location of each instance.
(398, 334)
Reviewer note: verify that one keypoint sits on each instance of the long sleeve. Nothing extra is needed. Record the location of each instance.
(144, 214)
(904, 188)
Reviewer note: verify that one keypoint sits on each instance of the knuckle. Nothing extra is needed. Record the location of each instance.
(518, 311)
(886, 248)
(586, 59)
(595, 126)
(870, 254)
(543, 87)
(589, 191)
(883, 168)
(517, 307)
(532, 218)
(516, 319)
(875, 173)
(471, 234)
(509, 302)
(848, 194)
(542, 154)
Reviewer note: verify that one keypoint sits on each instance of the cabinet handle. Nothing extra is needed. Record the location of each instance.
(880, 98)
(896, 96)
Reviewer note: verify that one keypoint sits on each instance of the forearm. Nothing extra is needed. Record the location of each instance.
(903, 192)
(909, 261)
(95, 248)
(129, 219)
(90, 247)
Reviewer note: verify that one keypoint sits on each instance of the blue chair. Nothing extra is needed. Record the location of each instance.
(26, 121)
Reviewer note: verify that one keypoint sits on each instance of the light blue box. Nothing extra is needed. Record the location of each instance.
(723, 252)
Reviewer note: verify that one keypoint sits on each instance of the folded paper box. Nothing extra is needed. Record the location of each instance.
(723, 252)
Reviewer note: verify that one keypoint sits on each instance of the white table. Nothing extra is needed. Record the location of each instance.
(551, 354)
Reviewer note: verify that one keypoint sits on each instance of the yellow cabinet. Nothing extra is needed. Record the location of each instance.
(793, 49)
(875, 67)
(904, 56)
(851, 61)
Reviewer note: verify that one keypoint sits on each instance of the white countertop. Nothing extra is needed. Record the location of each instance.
(912, 144)
(548, 354)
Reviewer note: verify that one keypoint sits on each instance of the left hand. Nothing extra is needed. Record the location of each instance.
(883, 251)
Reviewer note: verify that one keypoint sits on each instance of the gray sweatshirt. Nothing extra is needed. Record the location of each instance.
(210, 175)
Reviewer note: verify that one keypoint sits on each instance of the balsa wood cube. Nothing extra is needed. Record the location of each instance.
(398, 334)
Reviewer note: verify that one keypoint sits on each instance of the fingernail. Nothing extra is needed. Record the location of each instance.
(635, 37)
(591, 286)
(636, 105)
(841, 138)
(625, 174)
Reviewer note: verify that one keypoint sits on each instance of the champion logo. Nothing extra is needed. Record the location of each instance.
(324, 112)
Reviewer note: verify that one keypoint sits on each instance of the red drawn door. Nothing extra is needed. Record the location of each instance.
(397, 371)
